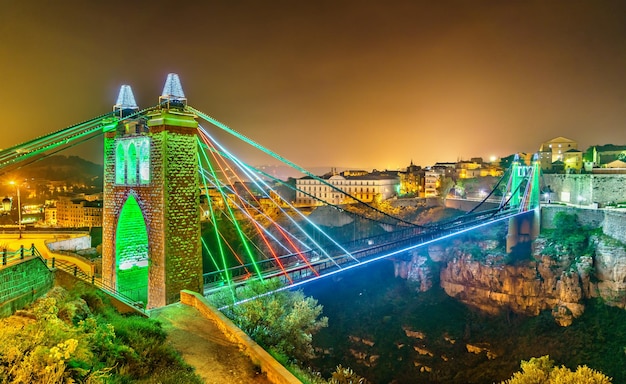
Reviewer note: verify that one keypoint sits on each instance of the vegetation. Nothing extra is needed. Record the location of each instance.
(74, 337)
(345, 376)
(542, 370)
(568, 237)
(280, 321)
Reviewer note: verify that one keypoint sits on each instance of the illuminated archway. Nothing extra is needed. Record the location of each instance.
(131, 252)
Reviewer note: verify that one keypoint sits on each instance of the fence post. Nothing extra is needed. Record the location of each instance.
(32, 249)
(93, 279)
(22, 252)
(53, 261)
(75, 270)
(4, 256)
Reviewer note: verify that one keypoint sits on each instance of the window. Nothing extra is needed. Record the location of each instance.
(132, 161)
(131, 165)
(120, 163)
(144, 162)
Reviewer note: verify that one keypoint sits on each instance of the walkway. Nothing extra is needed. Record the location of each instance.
(204, 347)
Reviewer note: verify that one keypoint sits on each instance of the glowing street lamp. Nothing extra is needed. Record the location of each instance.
(6, 205)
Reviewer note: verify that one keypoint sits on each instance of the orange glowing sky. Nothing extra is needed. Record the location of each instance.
(344, 83)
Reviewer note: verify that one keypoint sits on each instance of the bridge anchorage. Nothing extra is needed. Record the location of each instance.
(178, 203)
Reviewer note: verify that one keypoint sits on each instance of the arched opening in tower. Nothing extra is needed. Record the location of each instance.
(131, 252)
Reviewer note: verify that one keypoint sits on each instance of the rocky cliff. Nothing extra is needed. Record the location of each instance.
(492, 283)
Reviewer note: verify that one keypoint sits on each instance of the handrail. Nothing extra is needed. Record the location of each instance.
(362, 249)
(91, 279)
(9, 257)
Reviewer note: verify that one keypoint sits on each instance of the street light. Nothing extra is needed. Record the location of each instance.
(19, 208)
(6, 205)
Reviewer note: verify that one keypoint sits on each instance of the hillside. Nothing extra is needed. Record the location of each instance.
(72, 169)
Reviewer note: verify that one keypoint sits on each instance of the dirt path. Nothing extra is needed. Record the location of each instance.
(204, 346)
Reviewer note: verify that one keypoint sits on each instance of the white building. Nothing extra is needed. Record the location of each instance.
(366, 187)
(431, 182)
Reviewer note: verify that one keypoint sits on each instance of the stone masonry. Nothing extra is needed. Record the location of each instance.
(169, 204)
(23, 282)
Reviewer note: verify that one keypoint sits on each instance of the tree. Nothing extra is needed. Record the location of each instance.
(281, 320)
(445, 185)
(542, 371)
(345, 376)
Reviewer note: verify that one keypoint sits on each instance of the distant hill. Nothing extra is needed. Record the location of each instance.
(72, 169)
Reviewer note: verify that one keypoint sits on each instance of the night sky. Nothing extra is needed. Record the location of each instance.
(355, 83)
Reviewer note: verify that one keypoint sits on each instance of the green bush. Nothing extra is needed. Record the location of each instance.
(276, 319)
(542, 370)
(568, 237)
(63, 340)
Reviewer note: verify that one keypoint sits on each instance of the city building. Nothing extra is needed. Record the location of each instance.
(432, 182)
(476, 167)
(346, 187)
(412, 181)
(50, 217)
(553, 150)
(603, 154)
(572, 161)
(72, 212)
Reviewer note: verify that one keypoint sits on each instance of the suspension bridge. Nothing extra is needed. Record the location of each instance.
(162, 162)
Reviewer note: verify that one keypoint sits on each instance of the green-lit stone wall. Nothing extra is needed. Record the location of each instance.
(21, 283)
(169, 203)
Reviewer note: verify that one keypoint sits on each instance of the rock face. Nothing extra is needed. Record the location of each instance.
(610, 270)
(528, 288)
(544, 283)
(418, 270)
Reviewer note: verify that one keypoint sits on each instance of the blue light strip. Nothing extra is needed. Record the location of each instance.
(299, 283)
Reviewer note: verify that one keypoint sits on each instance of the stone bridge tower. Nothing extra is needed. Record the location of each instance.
(523, 229)
(151, 222)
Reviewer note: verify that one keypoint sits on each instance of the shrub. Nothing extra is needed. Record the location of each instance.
(280, 320)
(542, 370)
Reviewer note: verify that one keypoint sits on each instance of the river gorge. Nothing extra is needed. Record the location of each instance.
(465, 311)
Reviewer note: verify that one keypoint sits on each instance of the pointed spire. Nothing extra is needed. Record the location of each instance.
(125, 100)
(172, 89)
(125, 104)
(173, 95)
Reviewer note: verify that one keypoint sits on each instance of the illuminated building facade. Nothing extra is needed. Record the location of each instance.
(151, 223)
(555, 150)
(431, 182)
(364, 186)
(412, 181)
(75, 213)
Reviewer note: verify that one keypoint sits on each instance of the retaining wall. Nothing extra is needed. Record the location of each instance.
(23, 282)
(70, 244)
(611, 221)
(274, 371)
(590, 188)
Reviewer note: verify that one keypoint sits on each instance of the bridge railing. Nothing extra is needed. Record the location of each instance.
(310, 263)
(96, 282)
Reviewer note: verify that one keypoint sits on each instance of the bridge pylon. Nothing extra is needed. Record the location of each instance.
(525, 196)
(151, 221)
